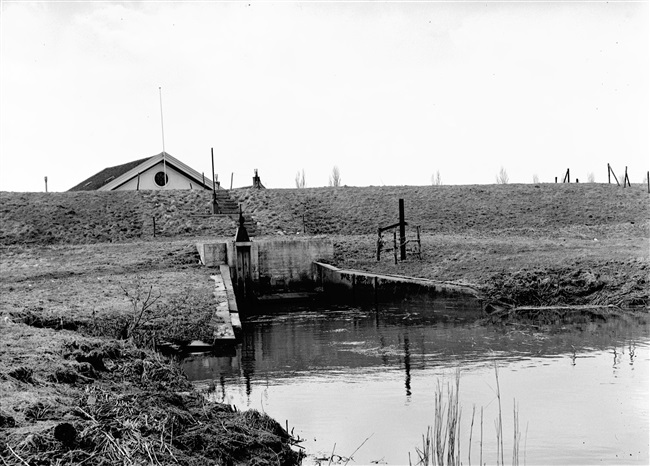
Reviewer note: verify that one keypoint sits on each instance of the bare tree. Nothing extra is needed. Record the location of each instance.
(591, 178)
(535, 179)
(143, 310)
(436, 180)
(300, 179)
(335, 177)
(502, 177)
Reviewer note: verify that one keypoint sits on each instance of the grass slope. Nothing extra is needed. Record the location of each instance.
(525, 208)
(85, 217)
(69, 263)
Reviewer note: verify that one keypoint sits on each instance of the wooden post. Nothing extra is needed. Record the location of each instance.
(395, 245)
(556, 179)
(649, 182)
(137, 187)
(576, 180)
(215, 208)
(627, 179)
(378, 244)
(609, 174)
(154, 226)
(402, 231)
(46, 184)
(231, 176)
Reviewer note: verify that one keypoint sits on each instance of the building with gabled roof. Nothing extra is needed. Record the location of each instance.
(162, 171)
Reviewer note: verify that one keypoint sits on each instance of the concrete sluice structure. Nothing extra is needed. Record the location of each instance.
(353, 286)
(249, 274)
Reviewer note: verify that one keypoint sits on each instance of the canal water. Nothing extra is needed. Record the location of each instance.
(361, 382)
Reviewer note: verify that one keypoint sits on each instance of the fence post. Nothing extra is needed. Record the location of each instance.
(154, 226)
(649, 182)
(609, 174)
(395, 245)
(378, 244)
(402, 232)
(611, 171)
(215, 206)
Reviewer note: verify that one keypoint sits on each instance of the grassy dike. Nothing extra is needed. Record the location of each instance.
(86, 290)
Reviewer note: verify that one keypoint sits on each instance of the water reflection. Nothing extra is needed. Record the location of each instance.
(303, 342)
(336, 373)
(407, 366)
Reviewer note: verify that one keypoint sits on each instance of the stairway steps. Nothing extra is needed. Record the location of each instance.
(228, 206)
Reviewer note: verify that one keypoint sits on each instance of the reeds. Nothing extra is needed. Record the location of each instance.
(441, 445)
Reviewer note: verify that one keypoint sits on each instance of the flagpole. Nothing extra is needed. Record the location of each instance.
(162, 127)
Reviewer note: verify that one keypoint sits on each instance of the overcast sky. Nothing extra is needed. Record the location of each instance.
(390, 92)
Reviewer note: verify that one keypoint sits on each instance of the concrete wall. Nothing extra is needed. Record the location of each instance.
(355, 286)
(213, 254)
(287, 263)
(277, 264)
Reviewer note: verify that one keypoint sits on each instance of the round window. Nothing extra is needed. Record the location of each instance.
(161, 178)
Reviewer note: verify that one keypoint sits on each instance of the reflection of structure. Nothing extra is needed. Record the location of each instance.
(407, 365)
(248, 359)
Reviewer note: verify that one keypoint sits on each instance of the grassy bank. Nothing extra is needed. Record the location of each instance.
(79, 382)
(76, 267)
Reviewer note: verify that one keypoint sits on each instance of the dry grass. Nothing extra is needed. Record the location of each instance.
(65, 259)
(63, 377)
(68, 399)
(508, 208)
(441, 444)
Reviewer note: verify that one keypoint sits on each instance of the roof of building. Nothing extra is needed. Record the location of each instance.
(113, 177)
(106, 176)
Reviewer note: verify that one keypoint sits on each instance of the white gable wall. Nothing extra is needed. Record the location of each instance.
(176, 180)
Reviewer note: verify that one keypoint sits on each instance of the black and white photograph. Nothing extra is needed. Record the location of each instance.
(324, 232)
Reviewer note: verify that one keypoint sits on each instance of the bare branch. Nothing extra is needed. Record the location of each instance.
(502, 177)
(335, 177)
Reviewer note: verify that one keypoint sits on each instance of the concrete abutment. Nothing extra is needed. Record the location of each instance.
(276, 269)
